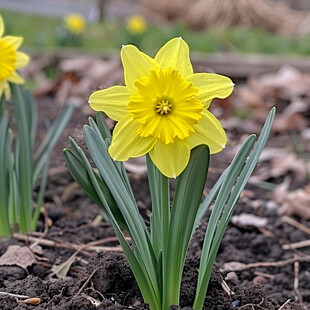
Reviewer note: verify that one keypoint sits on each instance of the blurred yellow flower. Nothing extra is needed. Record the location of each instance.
(10, 59)
(136, 24)
(163, 109)
(75, 23)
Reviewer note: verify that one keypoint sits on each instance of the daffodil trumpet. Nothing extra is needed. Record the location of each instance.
(162, 112)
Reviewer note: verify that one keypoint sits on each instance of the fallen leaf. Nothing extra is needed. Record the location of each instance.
(62, 270)
(297, 203)
(20, 256)
(231, 266)
(280, 192)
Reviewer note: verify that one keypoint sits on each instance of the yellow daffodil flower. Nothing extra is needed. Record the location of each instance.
(163, 109)
(75, 23)
(136, 24)
(10, 59)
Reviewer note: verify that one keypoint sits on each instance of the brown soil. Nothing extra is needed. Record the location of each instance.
(105, 277)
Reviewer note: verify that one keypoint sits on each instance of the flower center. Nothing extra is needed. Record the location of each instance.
(8, 59)
(165, 106)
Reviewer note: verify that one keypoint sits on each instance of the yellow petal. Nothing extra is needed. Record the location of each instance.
(15, 78)
(211, 86)
(171, 159)
(175, 54)
(21, 60)
(126, 142)
(208, 131)
(113, 101)
(15, 41)
(136, 64)
(1, 26)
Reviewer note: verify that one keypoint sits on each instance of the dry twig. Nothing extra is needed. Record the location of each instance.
(296, 224)
(282, 307)
(271, 264)
(296, 245)
(86, 282)
(296, 280)
(91, 246)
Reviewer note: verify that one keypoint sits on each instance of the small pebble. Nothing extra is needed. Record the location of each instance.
(231, 276)
(236, 303)
(259, 279)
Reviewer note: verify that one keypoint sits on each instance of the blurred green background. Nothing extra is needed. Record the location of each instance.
(42, 32)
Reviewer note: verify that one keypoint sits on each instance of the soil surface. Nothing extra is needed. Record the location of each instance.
(70, 229)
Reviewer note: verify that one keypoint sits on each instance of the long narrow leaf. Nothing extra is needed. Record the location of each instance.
(114, 181)
(189, 188)
(149, 292)
(50, 140)
(204, 274)
(32, 116)
(223, 195)
(160, 218)
(81, 176)
(24, 159)
(4, 173)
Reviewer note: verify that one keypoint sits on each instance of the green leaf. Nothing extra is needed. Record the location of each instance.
(103, 128)
(148, 287)
(232, 186)
(32, 116)
(51, 139)
(80, 175)
(43, 182)
(24, 158)
(160, 218)
(113, 178)
(4, 172)
(189, 189)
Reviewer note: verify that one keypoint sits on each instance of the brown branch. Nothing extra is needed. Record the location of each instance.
(296, 245)
(91, 246)
(271, 264)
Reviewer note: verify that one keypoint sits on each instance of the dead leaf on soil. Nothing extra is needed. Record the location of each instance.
(246, 220)
(62, 270)
(231, 266)
(297, 203)
(280, 192)
(20, 256)
(281, 163)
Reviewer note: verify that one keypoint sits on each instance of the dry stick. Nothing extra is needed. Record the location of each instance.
(282, 307)
(91, 246)
(296, 224)
(254, 305)
(272, 264)
(86, 282)
(296, 280)
(226, 288)
(14, 295)
(265, 275)
(296, 245)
